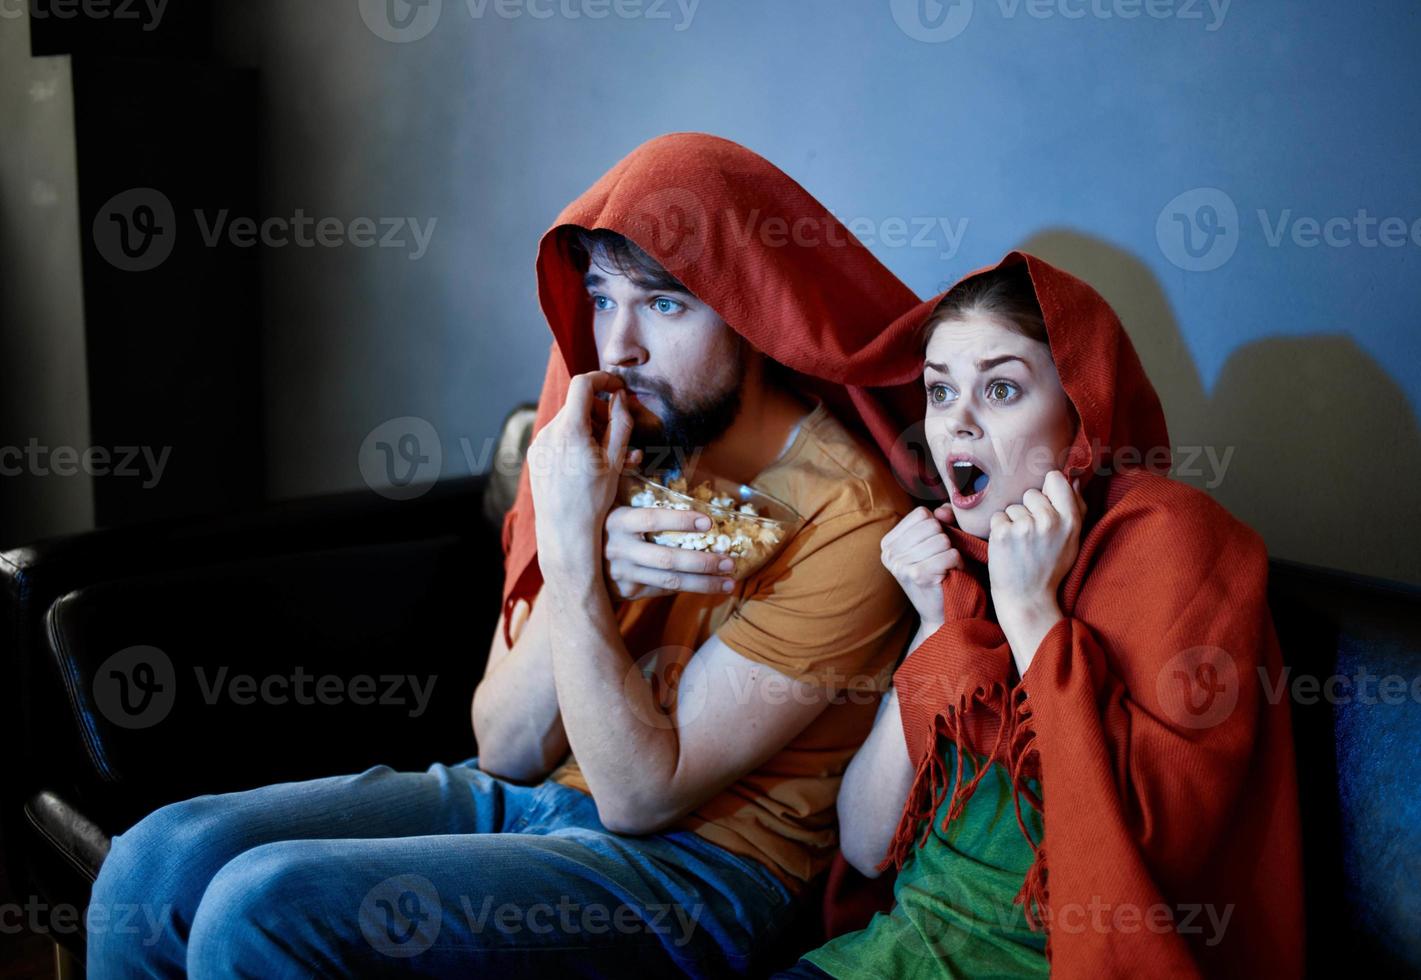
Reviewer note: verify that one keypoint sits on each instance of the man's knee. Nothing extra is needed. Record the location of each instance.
(262, 907)
(156, 856)
(151, 878)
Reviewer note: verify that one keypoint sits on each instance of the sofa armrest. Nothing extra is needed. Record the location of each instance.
(275, 668)
(326, 583)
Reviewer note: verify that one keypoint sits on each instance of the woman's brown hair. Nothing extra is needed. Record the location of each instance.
(1006, 294)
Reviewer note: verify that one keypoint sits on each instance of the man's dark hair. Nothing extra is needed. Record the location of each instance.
(618, 253)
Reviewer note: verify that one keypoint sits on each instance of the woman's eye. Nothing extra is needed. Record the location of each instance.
(1001, 391)
(666, 306)
(939, 394)
(600, 302)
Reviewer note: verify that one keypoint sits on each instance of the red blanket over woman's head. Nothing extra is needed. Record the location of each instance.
(752, 244)
(1166, 774)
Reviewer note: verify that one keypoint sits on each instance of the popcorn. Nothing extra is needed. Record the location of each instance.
(736, 530)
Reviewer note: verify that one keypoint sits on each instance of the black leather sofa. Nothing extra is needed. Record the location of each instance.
(355, 583)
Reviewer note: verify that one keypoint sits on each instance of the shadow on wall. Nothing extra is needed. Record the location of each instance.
(1312, 442)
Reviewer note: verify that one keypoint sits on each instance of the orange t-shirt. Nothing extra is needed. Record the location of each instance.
(825, 610)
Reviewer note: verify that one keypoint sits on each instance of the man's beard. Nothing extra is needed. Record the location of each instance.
(681, 431)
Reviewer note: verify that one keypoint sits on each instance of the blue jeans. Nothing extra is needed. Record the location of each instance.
(449, 872)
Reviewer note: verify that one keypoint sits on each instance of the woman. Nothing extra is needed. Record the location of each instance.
(1094, 643)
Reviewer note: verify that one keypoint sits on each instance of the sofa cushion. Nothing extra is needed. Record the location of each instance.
(1356, 749)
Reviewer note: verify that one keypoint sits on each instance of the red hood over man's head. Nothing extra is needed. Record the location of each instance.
(748, 241)
(757, 248)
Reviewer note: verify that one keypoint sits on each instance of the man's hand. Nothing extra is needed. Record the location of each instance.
(638, 569)
(1031, 547)
(574, 469)
(918, 554)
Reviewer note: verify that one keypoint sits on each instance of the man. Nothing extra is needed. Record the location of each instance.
(695, 727)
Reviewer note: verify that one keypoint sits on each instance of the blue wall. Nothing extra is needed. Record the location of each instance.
(1048, 125)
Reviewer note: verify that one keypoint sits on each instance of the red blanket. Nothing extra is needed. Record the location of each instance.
(1168, 796)
(1167, 778)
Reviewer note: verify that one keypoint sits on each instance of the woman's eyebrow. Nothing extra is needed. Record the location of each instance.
(985, 364)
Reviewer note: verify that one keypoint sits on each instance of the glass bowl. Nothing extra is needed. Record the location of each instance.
(747, 524)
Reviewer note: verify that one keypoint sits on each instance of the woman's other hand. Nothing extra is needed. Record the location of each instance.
(919, 555)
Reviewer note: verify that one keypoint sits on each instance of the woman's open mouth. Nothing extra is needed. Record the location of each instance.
(968, 481)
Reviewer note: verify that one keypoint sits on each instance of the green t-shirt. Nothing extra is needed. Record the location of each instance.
(954, 913)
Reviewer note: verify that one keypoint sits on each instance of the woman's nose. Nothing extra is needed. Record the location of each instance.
(963, 423)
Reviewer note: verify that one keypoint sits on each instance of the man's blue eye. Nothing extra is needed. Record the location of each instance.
(666, 305)
(600, 302)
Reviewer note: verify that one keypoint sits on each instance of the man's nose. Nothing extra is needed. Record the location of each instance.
(621, 347)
